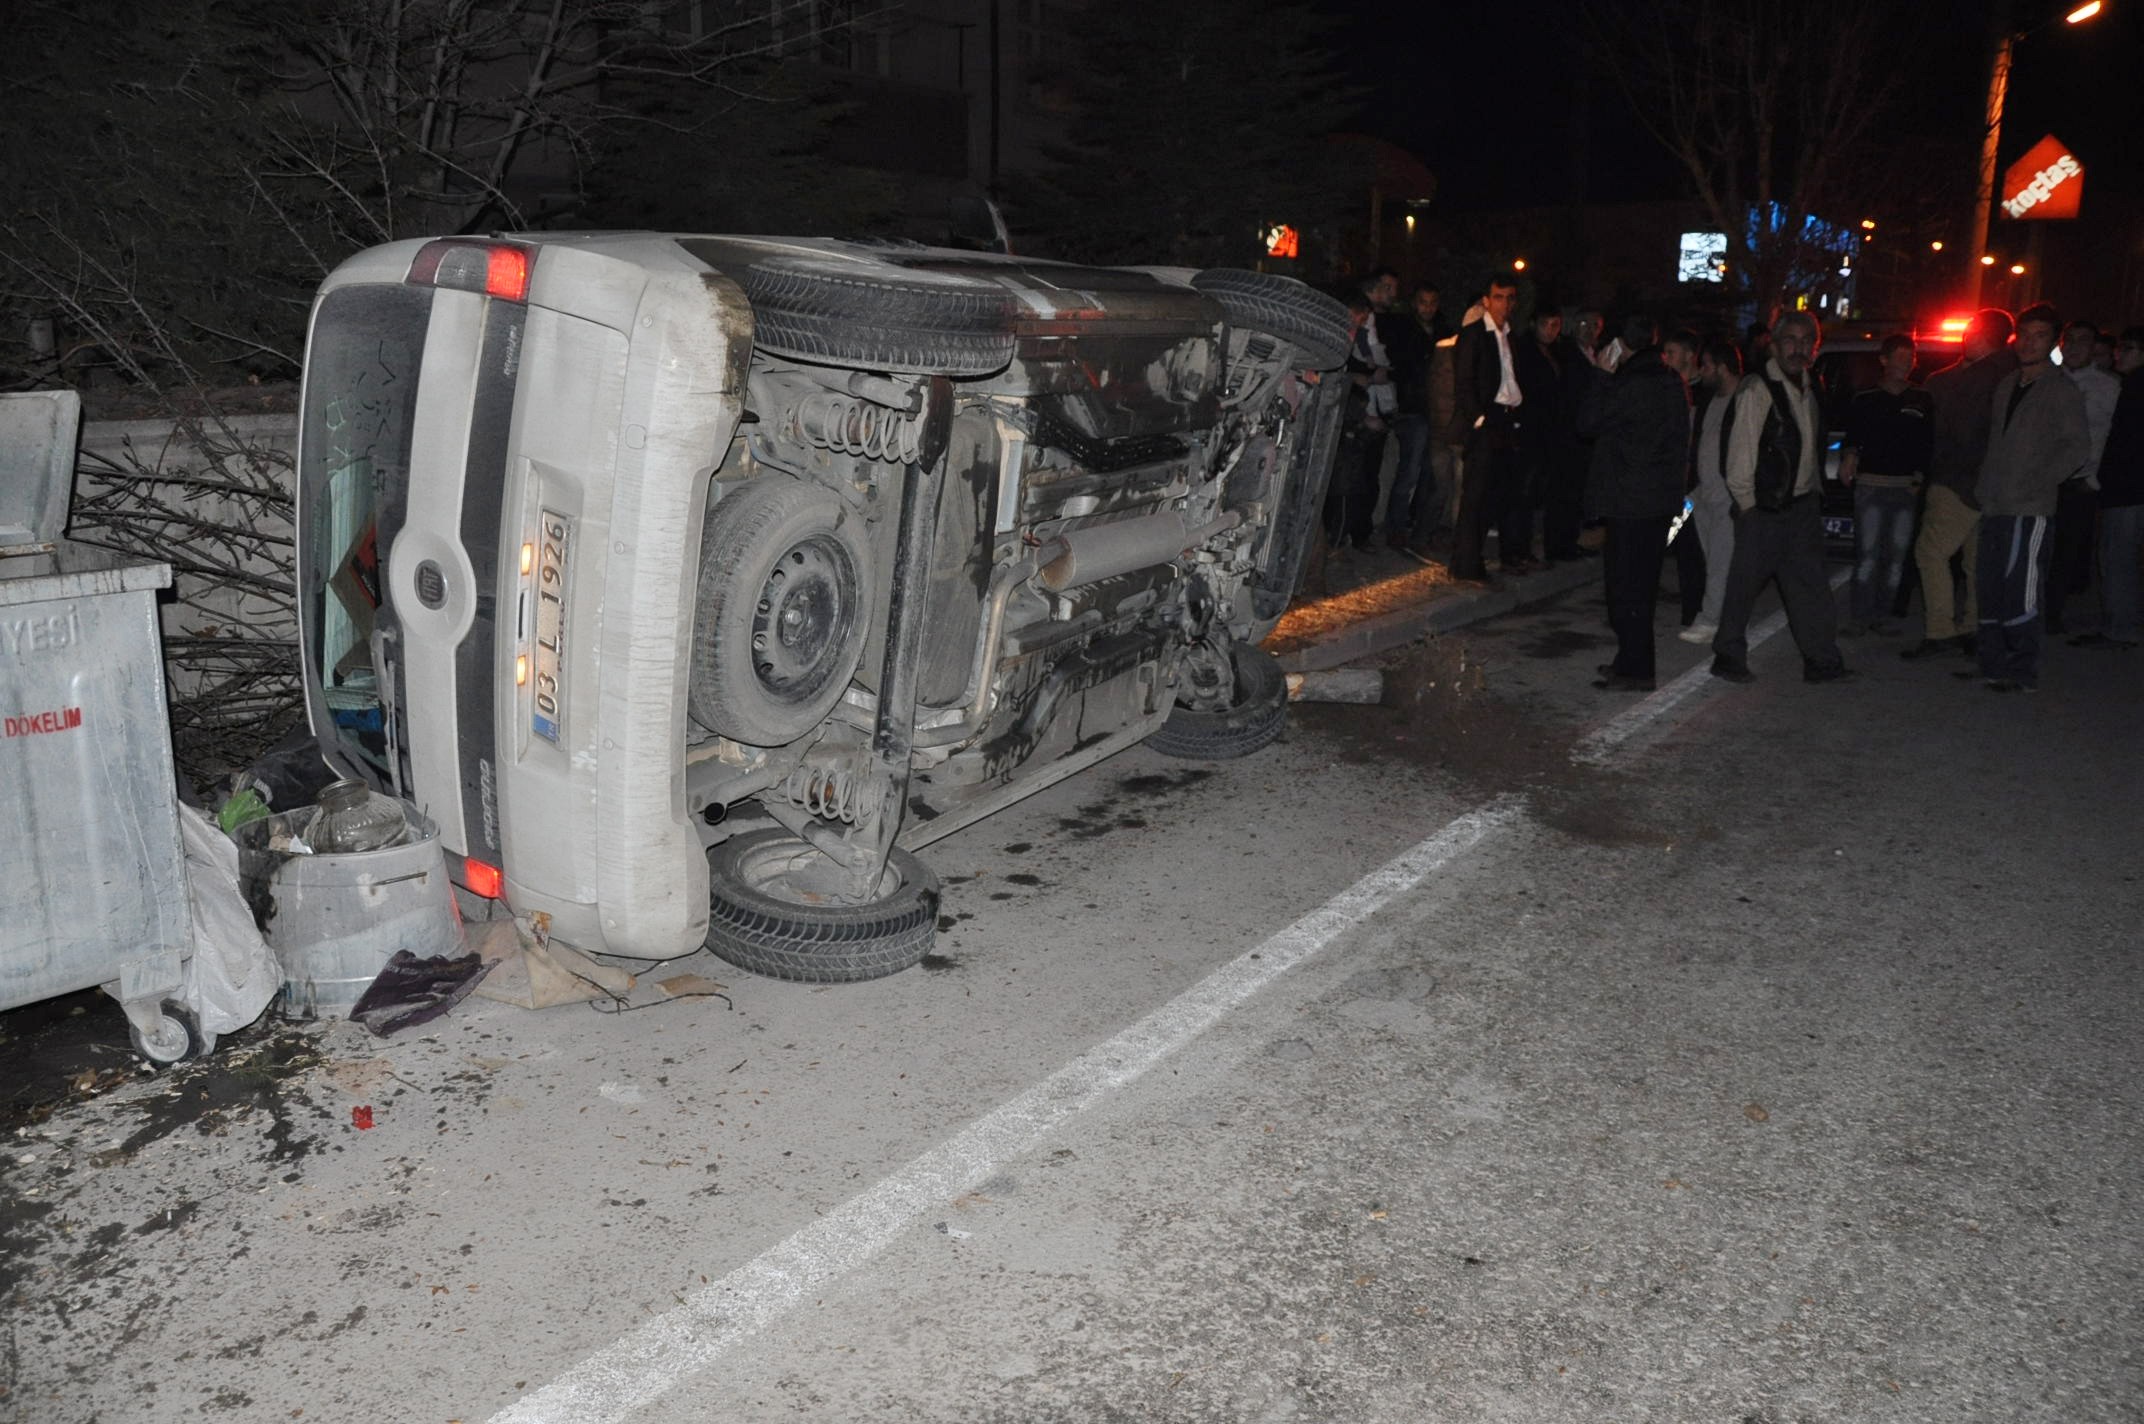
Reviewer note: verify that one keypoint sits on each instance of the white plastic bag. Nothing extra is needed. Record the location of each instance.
(233, 974)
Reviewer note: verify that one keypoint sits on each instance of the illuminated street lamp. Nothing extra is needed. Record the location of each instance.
(2004, 48)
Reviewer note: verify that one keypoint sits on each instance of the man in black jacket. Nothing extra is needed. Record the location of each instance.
(1410, 336)
(1486, 417)
(2121, 505)
(1639, 419)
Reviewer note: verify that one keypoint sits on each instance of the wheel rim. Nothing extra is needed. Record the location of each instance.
(791, 871)
(1209, 679)
(803, 618)
(168, 1043)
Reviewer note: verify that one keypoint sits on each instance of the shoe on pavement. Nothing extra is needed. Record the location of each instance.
(1928, 648)
(1616, 682)
(1699, 633)
(2003, 684)
(1830, 672)
(1731, 672)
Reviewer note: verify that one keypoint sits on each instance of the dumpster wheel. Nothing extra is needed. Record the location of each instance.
(174, 1035)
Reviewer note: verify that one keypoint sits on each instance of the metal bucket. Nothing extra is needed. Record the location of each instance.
(335, 920)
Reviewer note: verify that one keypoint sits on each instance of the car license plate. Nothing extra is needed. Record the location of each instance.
(552, 548)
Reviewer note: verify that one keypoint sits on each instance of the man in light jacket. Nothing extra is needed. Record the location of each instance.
(2037, 438)
(1774, 460)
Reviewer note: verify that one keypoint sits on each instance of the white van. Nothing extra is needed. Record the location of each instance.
(690, 583)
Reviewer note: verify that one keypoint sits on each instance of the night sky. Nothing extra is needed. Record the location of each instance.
(1436, 73)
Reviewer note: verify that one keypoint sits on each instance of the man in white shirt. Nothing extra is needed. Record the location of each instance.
(1774, 459)
(1487, 408)
(1719, 372)
(2069, 555)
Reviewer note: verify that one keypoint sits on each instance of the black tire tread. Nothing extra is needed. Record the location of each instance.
(1315, 324)
(840, 945)
(1249, 726)
(885, 325)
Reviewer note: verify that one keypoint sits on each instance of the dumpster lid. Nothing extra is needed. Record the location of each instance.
(66, 569)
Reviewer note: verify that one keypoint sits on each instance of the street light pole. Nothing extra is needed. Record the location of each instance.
(2003, 45)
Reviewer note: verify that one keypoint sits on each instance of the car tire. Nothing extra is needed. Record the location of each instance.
(1254, 717)
(1306, 318)
(950, 327)
(771, 916)
(785, 579)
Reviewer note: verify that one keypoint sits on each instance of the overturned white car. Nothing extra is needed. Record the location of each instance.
(690, 583)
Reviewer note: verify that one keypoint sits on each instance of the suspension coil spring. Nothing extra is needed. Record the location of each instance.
(857, 427)
(834, 793)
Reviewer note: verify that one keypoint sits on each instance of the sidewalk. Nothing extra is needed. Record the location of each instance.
(1395, 599)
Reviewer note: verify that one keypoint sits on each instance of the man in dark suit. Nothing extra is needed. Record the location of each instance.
(1486, 418)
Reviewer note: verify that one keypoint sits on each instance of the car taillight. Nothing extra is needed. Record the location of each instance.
(481, 879)
(497, 269)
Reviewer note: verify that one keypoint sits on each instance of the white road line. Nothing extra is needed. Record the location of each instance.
(648, 1362)
(1598, 745)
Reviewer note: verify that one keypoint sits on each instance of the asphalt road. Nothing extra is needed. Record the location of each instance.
(1773, 1060)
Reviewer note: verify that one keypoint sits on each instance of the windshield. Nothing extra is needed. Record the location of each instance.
(360, 400)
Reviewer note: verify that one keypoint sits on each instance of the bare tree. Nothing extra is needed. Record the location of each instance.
(182, 173)
(1772, 108)
(442, 116)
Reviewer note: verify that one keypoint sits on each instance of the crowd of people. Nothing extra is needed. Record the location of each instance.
(1997, 487)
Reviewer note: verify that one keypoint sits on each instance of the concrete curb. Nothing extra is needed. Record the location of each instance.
(1449, 608)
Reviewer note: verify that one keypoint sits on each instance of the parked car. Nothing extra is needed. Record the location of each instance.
(691, 584)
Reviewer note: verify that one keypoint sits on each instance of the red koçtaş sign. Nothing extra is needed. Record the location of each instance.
(2047, 182)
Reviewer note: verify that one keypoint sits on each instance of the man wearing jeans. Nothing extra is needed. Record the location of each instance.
(1410, 336)
(1774, 455)
(1889, 429)
(2121, 505)
(2038, 438)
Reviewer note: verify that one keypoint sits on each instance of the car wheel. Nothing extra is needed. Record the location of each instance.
(177, 1037)
(1253, 715)
(776, 912)
(950, 327)
(1312, 322)
(785, 571)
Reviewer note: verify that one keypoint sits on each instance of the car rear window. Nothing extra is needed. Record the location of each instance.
(360, 403)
